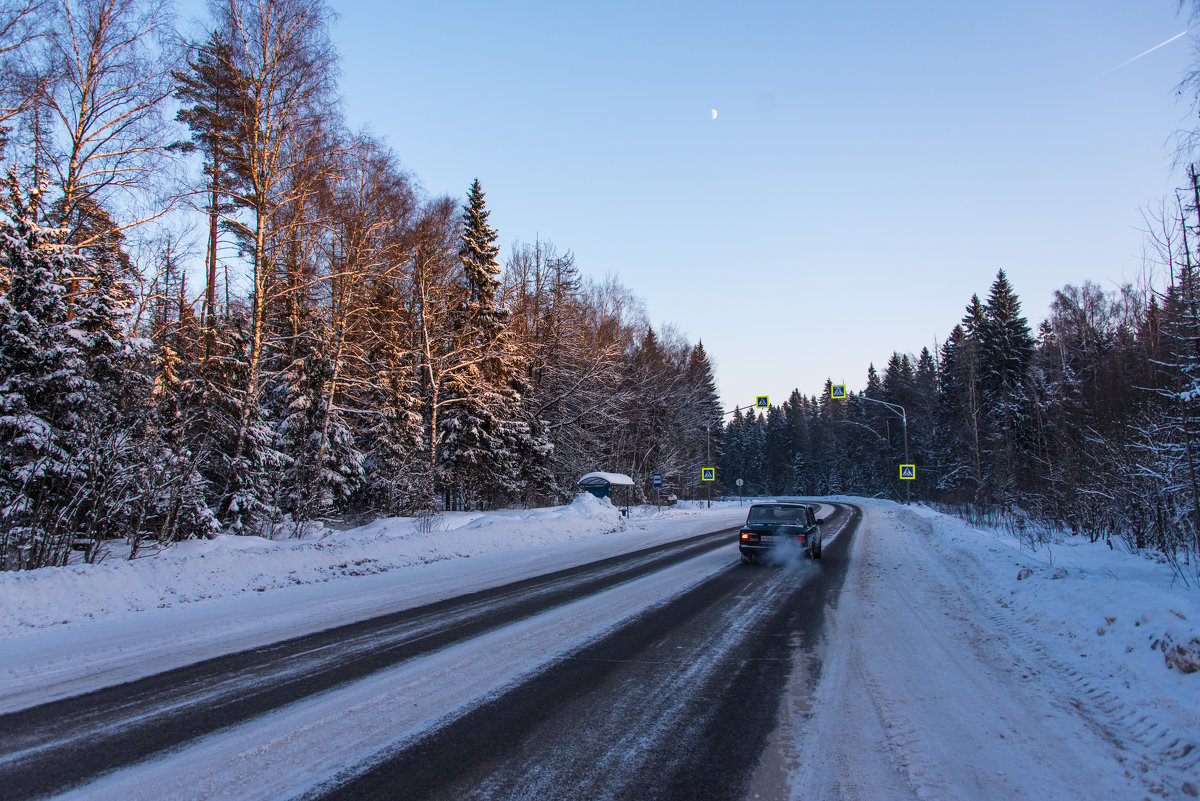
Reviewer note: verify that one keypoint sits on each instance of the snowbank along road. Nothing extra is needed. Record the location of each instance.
(923, 687)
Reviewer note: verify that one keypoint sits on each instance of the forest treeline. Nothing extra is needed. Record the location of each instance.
(327, 342)
(1091, 426)
(221, 309)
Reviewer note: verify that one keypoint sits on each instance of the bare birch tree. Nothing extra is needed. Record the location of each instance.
(287, 64)
(108, 75)
(22, 24)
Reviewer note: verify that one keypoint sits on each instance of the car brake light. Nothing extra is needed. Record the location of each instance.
(746, 535)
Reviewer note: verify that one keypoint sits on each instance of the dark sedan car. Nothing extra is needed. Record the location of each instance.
(778, 532)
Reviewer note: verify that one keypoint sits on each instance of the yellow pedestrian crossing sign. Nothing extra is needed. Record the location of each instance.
(708, 474)
(908, 472)
(837, 391)
(762, 401)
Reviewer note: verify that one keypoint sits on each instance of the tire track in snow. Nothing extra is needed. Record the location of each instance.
(943, 717)
(1146, 740)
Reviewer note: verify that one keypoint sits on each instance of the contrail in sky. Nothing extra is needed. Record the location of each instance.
(1148, 52)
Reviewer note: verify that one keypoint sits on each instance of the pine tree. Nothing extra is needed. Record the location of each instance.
(483, 436)
(43, 389)
(1005, 343)
(1005, 352)
(702, 410)
(213, 92)
(478, 255)
(115, 421)
(325, 467)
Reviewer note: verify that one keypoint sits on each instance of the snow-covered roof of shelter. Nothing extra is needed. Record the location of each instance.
(599, 479)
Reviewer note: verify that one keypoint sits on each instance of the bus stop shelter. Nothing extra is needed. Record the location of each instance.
(600, 484)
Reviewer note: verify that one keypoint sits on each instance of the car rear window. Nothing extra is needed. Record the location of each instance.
(777, 514)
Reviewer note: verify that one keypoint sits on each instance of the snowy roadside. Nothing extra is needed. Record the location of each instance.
(71, 629)
(959, 665)
(201, 570)
(1107, 612)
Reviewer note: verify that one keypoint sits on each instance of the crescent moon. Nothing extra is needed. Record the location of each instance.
(714, 113)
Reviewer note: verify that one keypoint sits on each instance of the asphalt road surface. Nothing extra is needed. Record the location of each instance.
(673, 703)
(677, 705)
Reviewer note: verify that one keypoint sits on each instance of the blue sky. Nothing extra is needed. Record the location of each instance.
(873, 164)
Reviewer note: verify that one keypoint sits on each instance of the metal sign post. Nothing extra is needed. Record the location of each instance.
(708, 475)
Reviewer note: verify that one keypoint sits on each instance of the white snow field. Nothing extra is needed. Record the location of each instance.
(945, 676)
(942, 676)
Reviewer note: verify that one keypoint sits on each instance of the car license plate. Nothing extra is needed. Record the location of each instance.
(768, 538)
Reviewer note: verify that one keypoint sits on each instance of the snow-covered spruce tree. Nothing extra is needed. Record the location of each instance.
(796, 412)
(235, 445)
(397, 460)
(399, 476)
(1171, 441)
(180, 501)
(702, 407)
(482, 436)
(116, 426)
(899, 387)
(826, 440)
(325, 466)
(181, 369)
(43, 389)
(777, 452)
(923, 432)
(960, 454)
(1005, 353)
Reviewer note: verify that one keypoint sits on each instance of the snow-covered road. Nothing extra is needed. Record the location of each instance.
(286, 753)
(932, 686)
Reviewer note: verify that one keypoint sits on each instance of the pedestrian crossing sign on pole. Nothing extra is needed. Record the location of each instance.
(837, 391)
(908, 472)
(708, 474)
(762, 402)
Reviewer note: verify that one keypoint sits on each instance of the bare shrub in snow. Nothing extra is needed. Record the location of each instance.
(1181, 657)
(428, 523)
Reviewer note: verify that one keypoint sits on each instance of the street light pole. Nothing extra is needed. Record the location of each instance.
(708, 450)
(898, 409)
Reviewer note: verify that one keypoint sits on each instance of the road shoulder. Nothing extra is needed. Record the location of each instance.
(920, 694)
